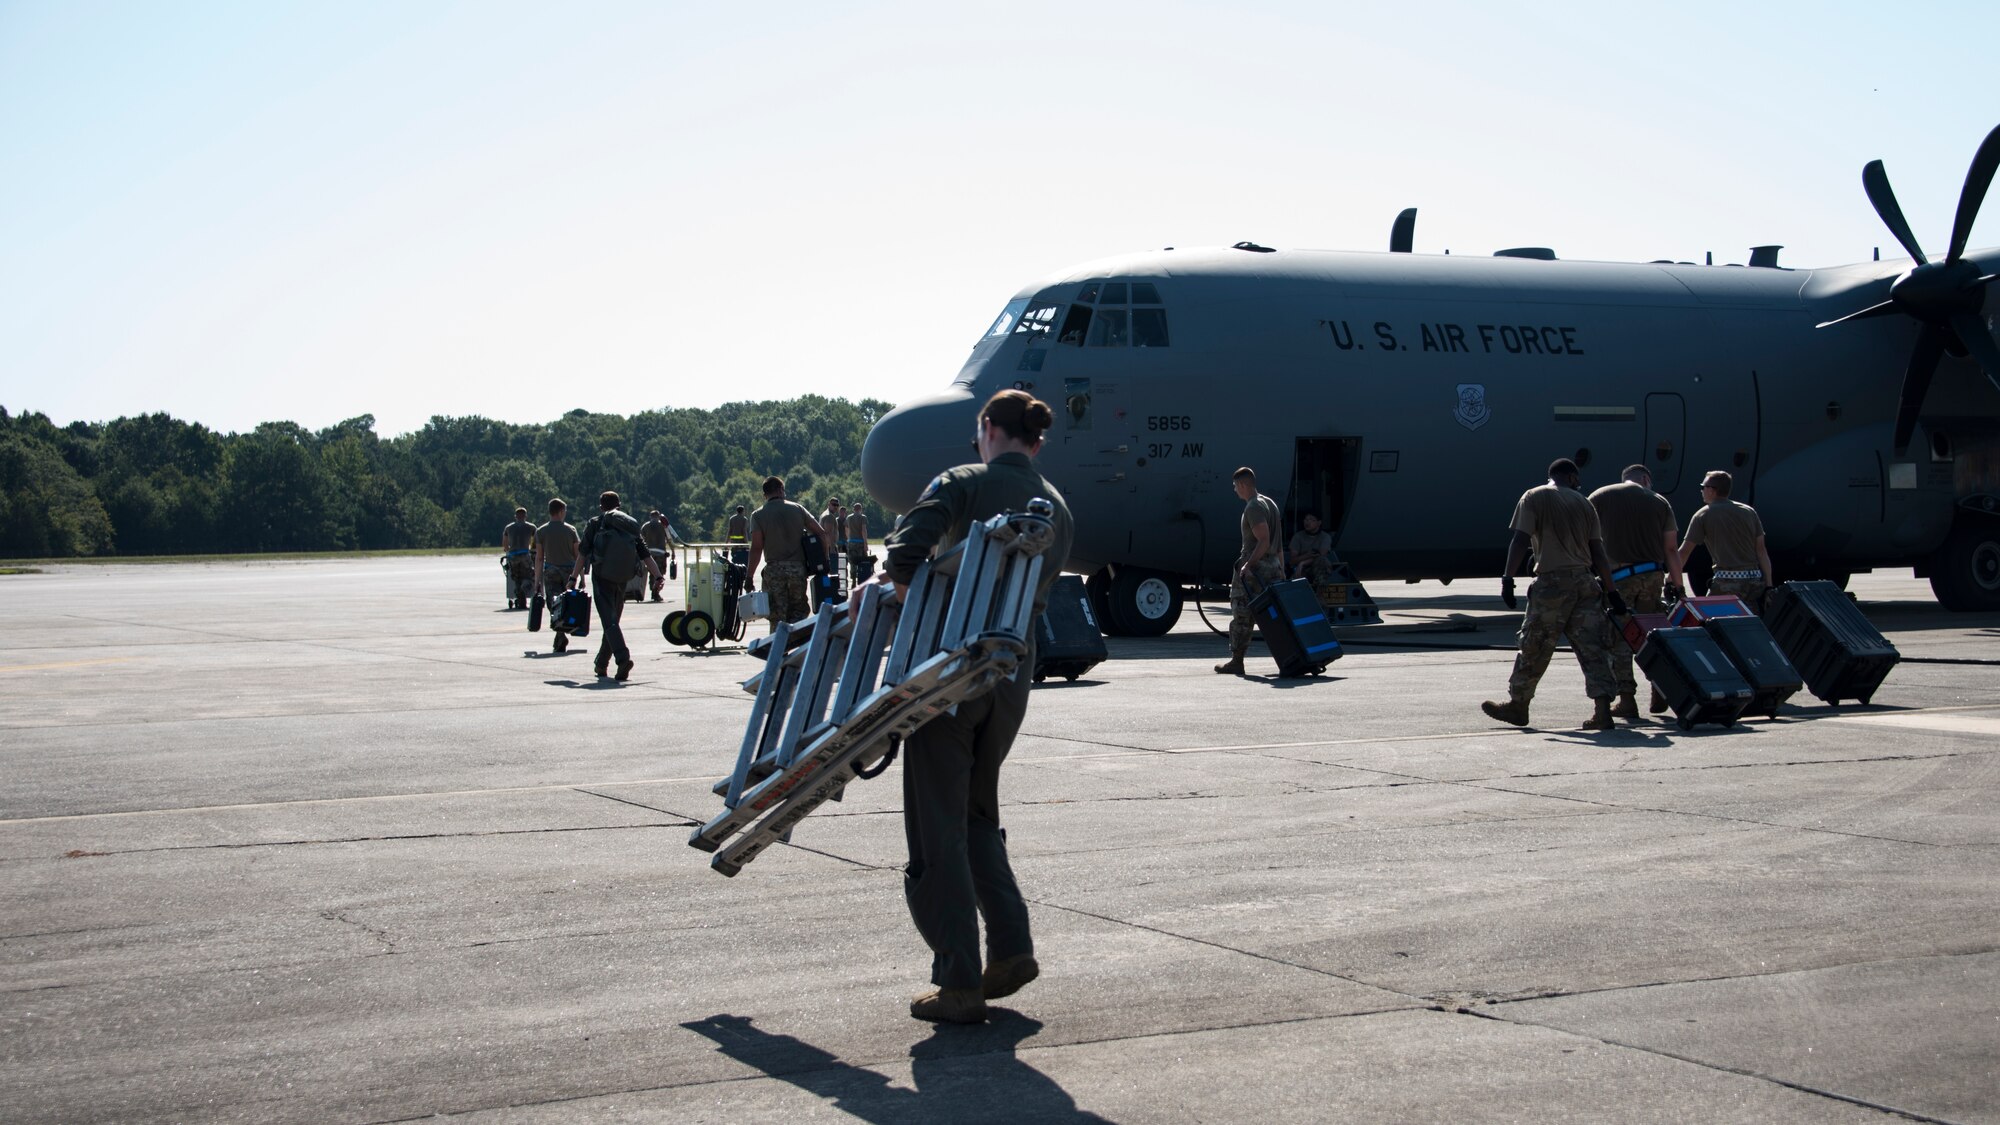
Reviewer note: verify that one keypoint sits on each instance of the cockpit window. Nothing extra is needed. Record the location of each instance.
(1036, 322)
(1149, 328)
(1107, 329)
(1089, 293)
(1008, 317)
(1145, 293)
(1114, 293)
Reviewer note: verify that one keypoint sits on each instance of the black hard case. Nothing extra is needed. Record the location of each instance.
(1295, 627)
(1838, 653)
(1698, 681)
(1750, 646)
(570, 613)
(1068, 642)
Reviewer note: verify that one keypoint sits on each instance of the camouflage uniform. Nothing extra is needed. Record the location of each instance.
(958, 871)
(1565, 598)
(1730, 531)
(1638, 526)
(1643, 593)
(785, 582)
(1263, 573)
(518, 540)
(1563, 603)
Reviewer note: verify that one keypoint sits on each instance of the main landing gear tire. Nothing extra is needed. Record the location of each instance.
(1965, 572)
(1135, 602)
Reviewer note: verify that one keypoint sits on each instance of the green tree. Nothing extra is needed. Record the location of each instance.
(496, 491)
(275, 492)
(47, 510)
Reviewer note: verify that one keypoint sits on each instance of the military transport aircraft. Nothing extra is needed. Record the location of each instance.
(1408, 400)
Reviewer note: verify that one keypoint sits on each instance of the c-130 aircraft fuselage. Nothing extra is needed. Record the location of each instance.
(1409, 400)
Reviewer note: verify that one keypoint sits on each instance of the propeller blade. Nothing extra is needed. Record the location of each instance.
(1403, 235)
(1977, 177)
(1883, 309)
(1875, 182)
(1916, 383)
(1972, 333)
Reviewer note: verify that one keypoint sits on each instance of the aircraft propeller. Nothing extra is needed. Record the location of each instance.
(1945, 296)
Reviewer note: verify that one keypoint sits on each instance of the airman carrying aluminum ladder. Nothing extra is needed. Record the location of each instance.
(840, 690)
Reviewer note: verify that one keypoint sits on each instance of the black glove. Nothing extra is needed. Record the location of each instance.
(1507, 597)
(1617, 604)
(1674, 593)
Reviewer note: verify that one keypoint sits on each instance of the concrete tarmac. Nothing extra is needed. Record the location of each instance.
(342, 842)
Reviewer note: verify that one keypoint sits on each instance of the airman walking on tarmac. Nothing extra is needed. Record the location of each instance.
(555, 559)
(1258, 565)
(517, 545)
(1734, 536)
(1639, 539)
(1572, 574)
(776, 531)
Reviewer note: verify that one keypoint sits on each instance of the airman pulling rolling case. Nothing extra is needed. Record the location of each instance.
(1838, 653)
(1068, 642)
(1295, 628)
(1696, 679)
(1750, 646)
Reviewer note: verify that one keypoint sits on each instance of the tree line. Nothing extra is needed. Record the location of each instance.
(155, 485)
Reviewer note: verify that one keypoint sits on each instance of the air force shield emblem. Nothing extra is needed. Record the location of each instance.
(1472, 412)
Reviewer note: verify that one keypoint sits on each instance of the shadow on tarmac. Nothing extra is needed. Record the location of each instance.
(593, 685)
(960, 1073)
(540, 654)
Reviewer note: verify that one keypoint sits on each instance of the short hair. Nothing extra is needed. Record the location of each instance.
(1018, 414)
(1244, 473)
(519, 513)
(557, 505)
(607, 500)
(1633, 473)
(773, 485)
(1718, 480)
(739, 509)
(1563, 467)
(832, 500)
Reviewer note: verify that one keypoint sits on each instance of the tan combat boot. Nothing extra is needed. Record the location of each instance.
(1602, 719)
(1512, 711)
(1626, 708)
(1232, 667)
(950, 1005)
(1006, 977)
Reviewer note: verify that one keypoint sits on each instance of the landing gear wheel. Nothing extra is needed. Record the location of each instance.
(562, 642)
(1965, 572)
(1141, 602)
(672, 626)
(698, 629)
(1098, 586)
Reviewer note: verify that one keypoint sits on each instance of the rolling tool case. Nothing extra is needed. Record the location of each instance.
(839, 691)
(1295, 628)
(1838, 653)
(1068, 642)
(1691, 613)
(1750, 646)
(1696, 679)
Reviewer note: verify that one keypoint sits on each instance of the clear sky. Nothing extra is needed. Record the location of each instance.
(257, 210)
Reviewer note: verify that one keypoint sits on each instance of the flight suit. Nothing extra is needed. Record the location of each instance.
(784, 574)
(517, 539)
(1565, 598)
(1267, 571)
(958, 870)
(609, 594)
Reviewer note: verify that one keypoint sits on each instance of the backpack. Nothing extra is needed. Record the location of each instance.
(614, 549)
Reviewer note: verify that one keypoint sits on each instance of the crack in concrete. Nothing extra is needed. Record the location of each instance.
(369, 839)
(381, 935)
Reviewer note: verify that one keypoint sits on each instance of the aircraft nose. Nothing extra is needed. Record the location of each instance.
(915, 442)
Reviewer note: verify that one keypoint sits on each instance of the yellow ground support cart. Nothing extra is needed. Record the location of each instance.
(714, 583)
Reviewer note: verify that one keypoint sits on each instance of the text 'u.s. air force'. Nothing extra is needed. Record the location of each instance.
(1478, 339)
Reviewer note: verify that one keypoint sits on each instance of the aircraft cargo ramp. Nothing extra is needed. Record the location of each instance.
(340, 841)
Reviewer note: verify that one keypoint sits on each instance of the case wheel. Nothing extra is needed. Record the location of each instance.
(671, 627)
